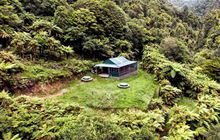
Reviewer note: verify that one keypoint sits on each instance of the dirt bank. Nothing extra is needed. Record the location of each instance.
(46, 90)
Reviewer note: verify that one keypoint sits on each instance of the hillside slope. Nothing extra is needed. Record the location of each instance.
(42, 42)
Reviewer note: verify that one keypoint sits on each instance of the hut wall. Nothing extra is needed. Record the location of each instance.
(127, 69)
(114, 72)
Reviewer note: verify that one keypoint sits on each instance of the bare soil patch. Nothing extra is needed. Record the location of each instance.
(46, 90)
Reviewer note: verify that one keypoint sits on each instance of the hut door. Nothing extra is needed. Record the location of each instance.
(114, 72)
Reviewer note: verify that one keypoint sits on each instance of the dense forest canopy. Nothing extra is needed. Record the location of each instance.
(178, 42)
(99, 28)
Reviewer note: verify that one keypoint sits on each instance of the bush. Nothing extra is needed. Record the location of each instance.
(174, 50)
(212, 69)
(169, 93)
(184, 78)
(9, 66)
(91, 128)
(37, 119)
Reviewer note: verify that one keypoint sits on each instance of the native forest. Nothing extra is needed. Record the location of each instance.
(109, 70)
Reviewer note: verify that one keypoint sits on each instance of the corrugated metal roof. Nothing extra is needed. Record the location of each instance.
(118, 62)
(106, 65)
(121, 61)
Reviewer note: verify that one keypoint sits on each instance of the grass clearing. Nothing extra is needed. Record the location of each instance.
(188, 103)
(104, 93)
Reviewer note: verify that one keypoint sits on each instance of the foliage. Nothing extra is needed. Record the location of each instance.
(212, 28)
(44, 41)
(100, 47)
(17, 75)
(179, 75)
(41, 7)
(213, 133)
(91, 26)
(40, 73)
(181, 132)
(75, 66)
(8, 13)
(202, 117)
(45, 25)
(169, 93)
(9, 66)
(52, 120)
(31, 119)
(91, 127)
(8, 136)
(211, 68)
(174, 50)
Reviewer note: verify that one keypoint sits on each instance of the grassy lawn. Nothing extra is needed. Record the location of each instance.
(104, 93)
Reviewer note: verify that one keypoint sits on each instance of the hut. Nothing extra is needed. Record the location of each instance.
(118, 67)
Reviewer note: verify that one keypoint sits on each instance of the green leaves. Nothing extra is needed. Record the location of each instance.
(180, 132)
(9, 136)
(4, 34)
(174, 49)
(65, 49)
(179, 75)
(173, 73)
(90, 25)
(8, 15)
(45, 132)
(45, 25)
(211, 68)
(52, 120)
(40, 44)
(99, 29)
(169, 94)
(98, 47)
(41, 7)
(6, 66)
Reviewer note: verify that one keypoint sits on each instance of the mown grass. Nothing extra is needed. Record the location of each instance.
(104, 93)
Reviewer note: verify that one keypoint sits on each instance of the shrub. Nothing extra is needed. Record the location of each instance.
(169, 93)
(212, 69)
(175, 50)
(184, 78)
